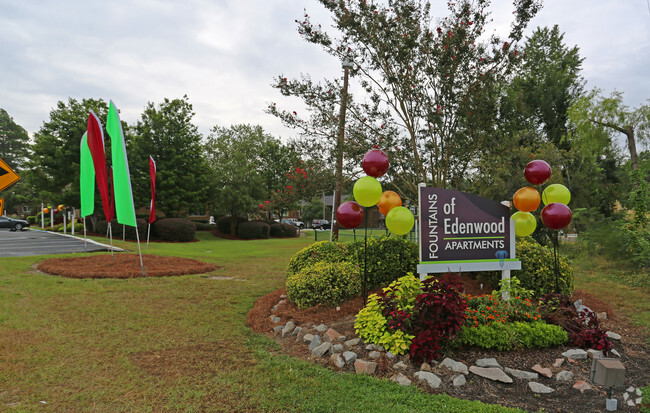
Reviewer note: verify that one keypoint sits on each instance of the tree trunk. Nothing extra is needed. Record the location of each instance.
(631, 146)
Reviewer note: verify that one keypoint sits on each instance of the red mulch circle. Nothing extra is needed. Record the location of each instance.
(123, 266)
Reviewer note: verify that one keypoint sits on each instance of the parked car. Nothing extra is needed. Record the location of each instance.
(13, 224)
(321, 224)
(293, 222)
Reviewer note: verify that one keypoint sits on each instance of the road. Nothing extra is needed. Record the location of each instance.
(37, 242)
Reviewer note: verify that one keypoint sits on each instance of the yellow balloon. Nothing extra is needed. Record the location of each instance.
(556, 193)
(61, 207)
(400, 220)
(367, 191)
(525, 223)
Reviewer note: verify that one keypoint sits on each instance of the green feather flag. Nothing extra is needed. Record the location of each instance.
(86, 179)
(124, 209)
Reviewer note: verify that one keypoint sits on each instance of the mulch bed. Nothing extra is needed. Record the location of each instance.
(122, 265)
(633, 349)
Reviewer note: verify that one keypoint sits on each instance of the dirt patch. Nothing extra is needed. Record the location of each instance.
(123, 266)
(633, 349)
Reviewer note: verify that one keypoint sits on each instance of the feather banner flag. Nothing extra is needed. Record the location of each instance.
(111, 210)
(124, 209)
(96, 146)
(152, 174)
(86, 179)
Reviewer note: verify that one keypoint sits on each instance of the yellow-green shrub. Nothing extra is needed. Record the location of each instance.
(328, 283)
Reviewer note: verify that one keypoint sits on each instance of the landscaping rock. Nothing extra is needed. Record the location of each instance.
(491, 362)
(275, 319)
(582, 386)
(331, 335)
(401, 379)
(558, 362)
(296, 331)
(459, 380)
(614, 352)
(542, 370)
(612, 335)
(321, 328)
(374, 354)
(564, 375)
(320, 350)
(288, 329)
(352, 342)
(277, 329)
(431, 379)
(425, 367)
(595, 354)
(341, 339)
(307, 338)
(455, 366)
(337, 348)
(575, 354)
(300, 335)
(539, 387)
(337, 361)
(601, 316)
(315, 342)
(520, 374)
(492, 373)
(349, 357)
(365, 367)
(401, 366)
(390, 355)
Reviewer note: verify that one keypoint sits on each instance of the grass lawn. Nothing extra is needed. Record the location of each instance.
(171, 343)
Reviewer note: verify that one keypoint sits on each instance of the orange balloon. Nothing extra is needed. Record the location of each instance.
(388, 201)
(60, 207)
(46, 210)
(526, 199)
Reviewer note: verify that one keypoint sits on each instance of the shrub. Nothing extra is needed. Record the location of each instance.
(253, 230)
(174, 229)
(388, 259)
(77, 227)
(224, 224)
(323, 283)
(511, 336)
(31, 219)
(538, 269)
(582, 326)
(323, 251)
(283, 230)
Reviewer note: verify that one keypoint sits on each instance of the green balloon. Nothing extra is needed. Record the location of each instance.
(400, 220)
(525, 223)
(367, 191)
(556, 193)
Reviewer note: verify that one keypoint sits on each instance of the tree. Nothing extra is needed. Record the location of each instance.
(167, 133)
(610, 114)
(433, 86)
(54, 166)
(14, 142)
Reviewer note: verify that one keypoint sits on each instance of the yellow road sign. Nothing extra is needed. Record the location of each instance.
(2, 206)
(7, 176)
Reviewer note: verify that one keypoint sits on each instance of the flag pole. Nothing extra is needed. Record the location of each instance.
(85, 240)
(137, 236)
(124, 233)
(148, 230)
(110, 230)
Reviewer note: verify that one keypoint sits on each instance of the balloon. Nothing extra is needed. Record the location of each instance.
(556, 215)
(375, 163)
(367, 191)
(556, 193)
(525, 223)
(400, 220)
(388, 201)
(46, 210)
(349, 214)
(56, 211)
(526, 199)
(61, 207)
(537, 172)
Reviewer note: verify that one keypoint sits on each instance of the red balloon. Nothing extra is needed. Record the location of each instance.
(375, 163)
(537, 172)
(556, 215)
(56, 211)
(349, 214)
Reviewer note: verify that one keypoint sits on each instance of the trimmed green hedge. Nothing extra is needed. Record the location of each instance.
(223, 224)
(253, 230)
(174, 229)
(512, 336)
(324, 283)
(388, 258)
(323, 251)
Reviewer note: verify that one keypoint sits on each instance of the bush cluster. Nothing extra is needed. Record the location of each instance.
(323, 251)
(388, 258)
(174, 229)
(279, 230)
(323, 283)
(31, 219)
(512, 336)
(253, 230)
(416, 316)
(537, 272)
(224, 223)
(78, 227)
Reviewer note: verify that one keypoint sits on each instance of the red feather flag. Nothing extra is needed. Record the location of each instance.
(152, 174)
(96, 146)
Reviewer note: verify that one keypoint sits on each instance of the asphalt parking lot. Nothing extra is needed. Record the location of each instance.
(37, 242)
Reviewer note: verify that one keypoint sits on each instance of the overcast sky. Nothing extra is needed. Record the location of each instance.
(224, 54)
